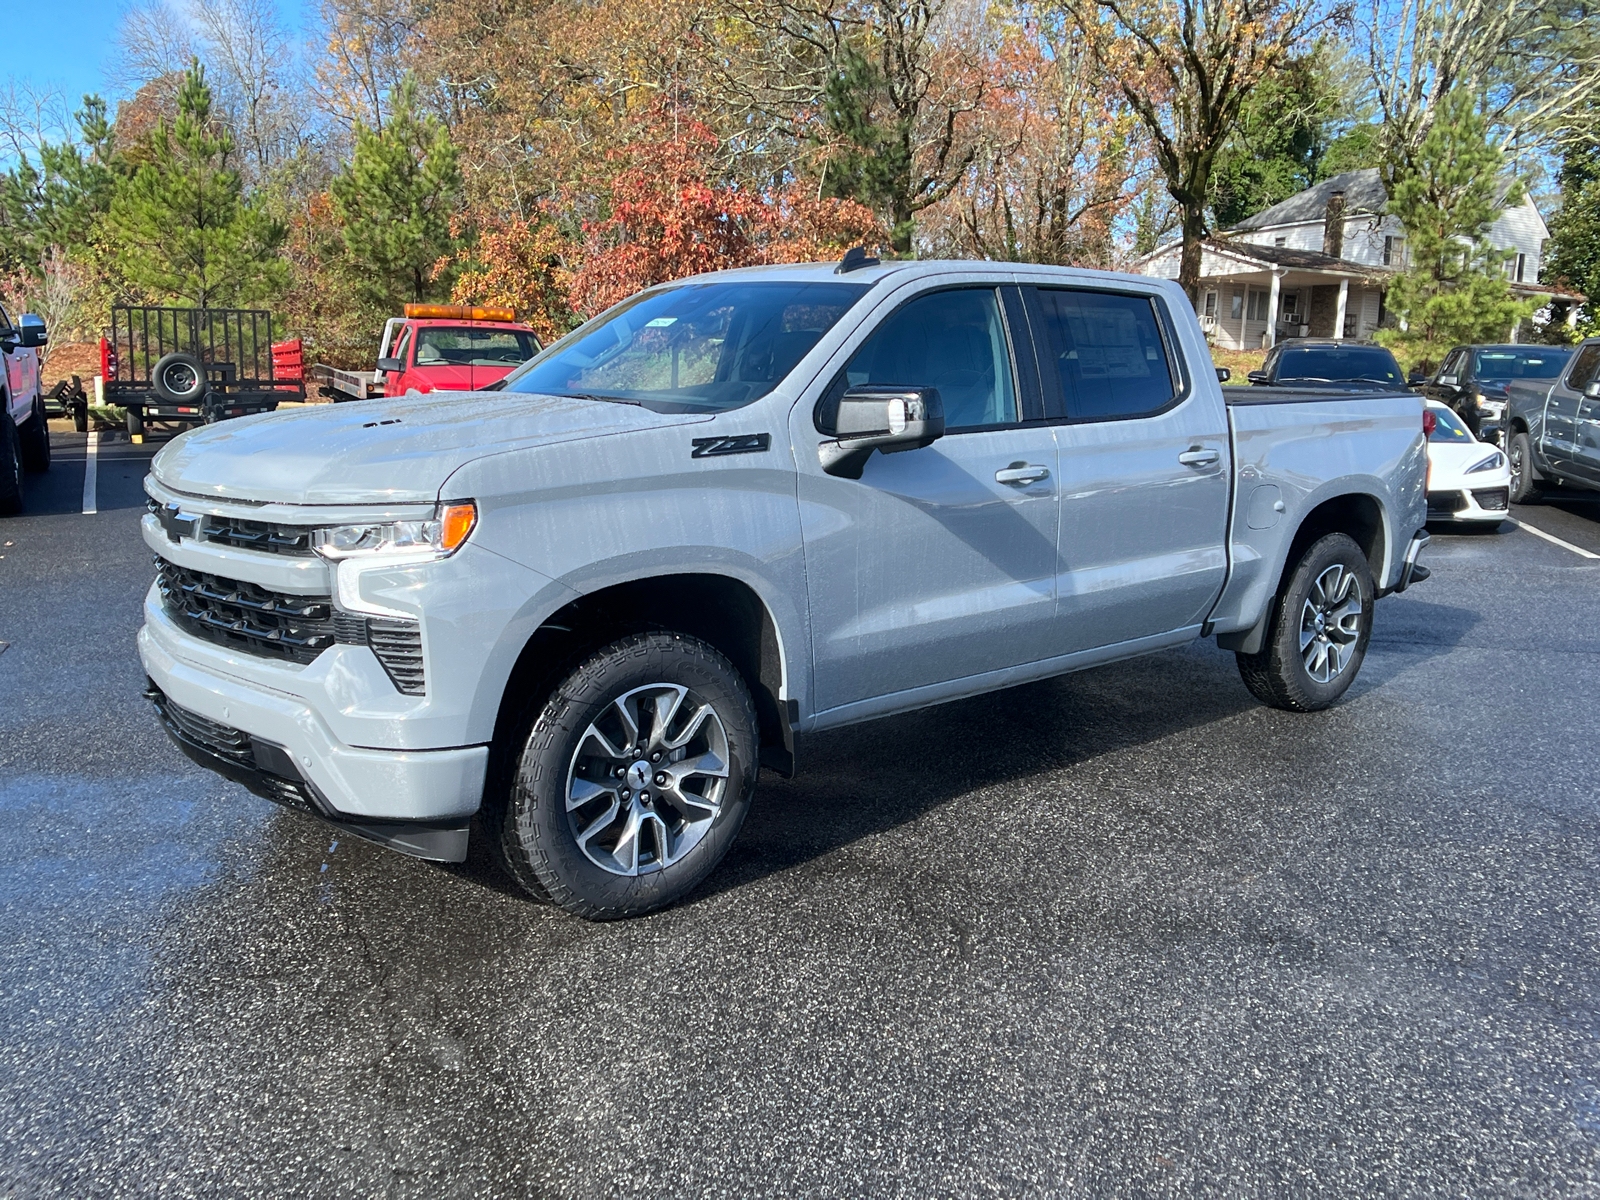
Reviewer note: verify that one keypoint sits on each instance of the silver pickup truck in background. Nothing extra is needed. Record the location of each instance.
(585, 609)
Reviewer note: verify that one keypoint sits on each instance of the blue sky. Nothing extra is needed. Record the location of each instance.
(68, 43)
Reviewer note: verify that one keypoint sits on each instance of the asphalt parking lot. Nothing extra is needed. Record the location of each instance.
(1122, 933)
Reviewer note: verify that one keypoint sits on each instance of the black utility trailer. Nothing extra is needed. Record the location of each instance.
(193, 364)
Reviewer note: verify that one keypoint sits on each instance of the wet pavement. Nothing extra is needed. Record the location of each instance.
(1122, 933)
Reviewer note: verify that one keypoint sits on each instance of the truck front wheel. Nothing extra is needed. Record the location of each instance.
(1519, 453)
(1320, 625)
(634, 779)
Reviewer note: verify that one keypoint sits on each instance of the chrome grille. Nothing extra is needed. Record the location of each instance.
(398, 645)
(244, 616)
(267, 537)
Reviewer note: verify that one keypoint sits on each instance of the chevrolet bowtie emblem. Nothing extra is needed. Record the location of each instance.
(177, 523)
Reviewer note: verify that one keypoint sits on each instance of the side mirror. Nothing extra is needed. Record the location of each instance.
(1450, 381)
(32, 329)
(1223, 374)
(390, 364)
(878, 417)
(1257, 377)
(1416, 377)
(1593, 390)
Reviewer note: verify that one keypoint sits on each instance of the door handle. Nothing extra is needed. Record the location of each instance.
(1199, 456)
(1022, 473)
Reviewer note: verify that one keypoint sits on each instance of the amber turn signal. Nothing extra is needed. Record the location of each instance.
(456, 523)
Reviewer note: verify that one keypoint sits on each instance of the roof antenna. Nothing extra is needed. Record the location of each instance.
(854, 259)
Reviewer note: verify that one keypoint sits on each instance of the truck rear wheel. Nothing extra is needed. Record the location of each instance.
(36, 440)
(10, 464)
(1321, 623)
(634, 779)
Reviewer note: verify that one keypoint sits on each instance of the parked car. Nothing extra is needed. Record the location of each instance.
(1329, 365)
(1554, 427)
(24, 430)
(436, 348)
(1468, 480)
(738, 508)
(1474, 381)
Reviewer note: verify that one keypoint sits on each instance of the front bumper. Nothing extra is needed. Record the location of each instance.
(1491, 503)
(348, 783)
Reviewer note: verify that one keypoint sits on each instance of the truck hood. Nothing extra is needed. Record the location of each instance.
(392, 451)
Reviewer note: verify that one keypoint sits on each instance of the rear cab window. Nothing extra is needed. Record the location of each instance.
(1107, 352)
(1585, 367)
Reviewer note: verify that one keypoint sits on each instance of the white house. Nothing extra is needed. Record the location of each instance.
(1318, 264)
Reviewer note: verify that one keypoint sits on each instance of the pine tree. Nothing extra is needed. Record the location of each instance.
(1574, 258)
(57, 203)
(1446, 197)
(395, 200)
(185, 229)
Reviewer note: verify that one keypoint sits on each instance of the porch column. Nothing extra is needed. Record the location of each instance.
(1344, 304)
(1572, 316)
(1272, 310)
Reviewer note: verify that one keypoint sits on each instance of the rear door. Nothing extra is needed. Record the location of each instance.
(12, 367)
(1144, 459)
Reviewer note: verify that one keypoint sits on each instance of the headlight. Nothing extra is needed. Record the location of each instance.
(400, 540)
(1493, 462)
(1491, 408)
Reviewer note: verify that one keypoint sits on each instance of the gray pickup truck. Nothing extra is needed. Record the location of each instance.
(585, 609)
(1552, 425)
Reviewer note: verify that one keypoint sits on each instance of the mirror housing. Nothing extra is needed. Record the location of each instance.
(1257, 377)
(390, 364)
(1593, 390)
(880, 417)
(1449, 381)
(32, 329)
(1223, 374)
(1416, 377)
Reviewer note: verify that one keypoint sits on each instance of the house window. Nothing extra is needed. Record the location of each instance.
(1258, 305)
(1290, 308)
(1236, 305)
(1522, 266)
(1394, 251)
(1280, 241)
(1211, 306)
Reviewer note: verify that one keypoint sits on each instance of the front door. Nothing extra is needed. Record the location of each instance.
(1144, 460)
(937, 564)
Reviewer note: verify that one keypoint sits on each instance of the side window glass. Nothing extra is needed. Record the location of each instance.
(1453, 365)
(403, 348)
(1585, 367)
(5, 321)
(954, 341)
(1109, 352)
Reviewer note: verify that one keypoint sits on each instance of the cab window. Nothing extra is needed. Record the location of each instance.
(952, 340)
(1108, 352)
(1585, 367)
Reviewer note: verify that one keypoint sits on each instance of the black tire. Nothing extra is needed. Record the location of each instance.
(11, 468)
(135, 423)
(1280, 675)
(1519, 453)
(179, 378)
(36, 440)
(537, 841)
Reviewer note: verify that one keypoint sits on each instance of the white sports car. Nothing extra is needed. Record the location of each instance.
(1468, 480)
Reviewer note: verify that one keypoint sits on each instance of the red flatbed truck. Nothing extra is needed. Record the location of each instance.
(436, 348)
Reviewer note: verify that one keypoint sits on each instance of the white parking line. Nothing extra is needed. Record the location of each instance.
(1550, 537)
(90, 461)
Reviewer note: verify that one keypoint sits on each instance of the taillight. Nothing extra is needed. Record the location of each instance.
(1429, 422)
(108, 360)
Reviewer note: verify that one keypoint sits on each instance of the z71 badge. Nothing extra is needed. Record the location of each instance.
(743, 443)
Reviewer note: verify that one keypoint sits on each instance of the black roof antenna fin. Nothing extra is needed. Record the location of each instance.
(854, 259)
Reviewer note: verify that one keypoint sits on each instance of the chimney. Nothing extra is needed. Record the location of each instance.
(1333, 226)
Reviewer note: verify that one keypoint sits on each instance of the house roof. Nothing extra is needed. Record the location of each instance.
(1363, 194)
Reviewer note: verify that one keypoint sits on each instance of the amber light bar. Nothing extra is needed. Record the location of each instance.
(459, 312)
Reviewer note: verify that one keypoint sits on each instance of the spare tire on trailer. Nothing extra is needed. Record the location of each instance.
(179, 378)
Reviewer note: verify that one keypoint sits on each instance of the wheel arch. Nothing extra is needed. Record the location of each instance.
(721, 610)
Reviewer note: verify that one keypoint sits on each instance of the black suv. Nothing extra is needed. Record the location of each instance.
(1329, 365)
(1474, 380)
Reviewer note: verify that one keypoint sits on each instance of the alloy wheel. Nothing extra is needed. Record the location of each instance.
(647, 779)
(1330, 623)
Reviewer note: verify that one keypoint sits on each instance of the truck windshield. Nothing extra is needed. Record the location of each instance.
(698, 347)
(1502, 366)
(1340, 364)
(447, 346)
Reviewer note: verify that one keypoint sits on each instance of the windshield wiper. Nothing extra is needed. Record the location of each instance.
(601, 399)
